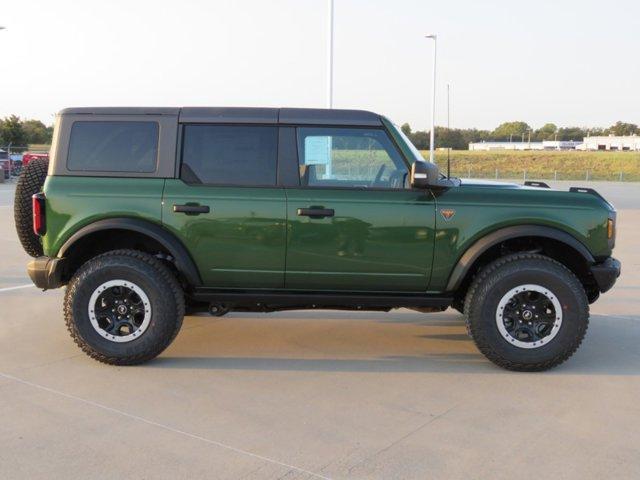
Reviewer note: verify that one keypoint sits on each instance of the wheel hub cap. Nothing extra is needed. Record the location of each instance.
(529, 316)
(119, 311)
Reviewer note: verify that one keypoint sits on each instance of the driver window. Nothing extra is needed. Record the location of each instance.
(349, 157)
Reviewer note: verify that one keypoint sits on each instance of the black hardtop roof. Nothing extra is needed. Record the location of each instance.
(309, 116)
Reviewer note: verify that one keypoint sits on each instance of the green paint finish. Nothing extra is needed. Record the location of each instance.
(240, 243)
(73, 202)
(482, 209)
(378, 240)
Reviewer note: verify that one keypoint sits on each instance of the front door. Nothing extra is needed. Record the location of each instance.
(354, 224)
(226, 208)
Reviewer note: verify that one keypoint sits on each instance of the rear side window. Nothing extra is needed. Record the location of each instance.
(113, 147)
(229, 155)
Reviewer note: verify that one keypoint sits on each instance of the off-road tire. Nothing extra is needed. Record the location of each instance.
(30, 181)
(498, 278)
(158, 283)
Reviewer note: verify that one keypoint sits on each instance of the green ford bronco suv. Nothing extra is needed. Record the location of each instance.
(146, 214)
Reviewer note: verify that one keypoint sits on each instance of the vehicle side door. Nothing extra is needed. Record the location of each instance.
(354, 223)
(226, 206)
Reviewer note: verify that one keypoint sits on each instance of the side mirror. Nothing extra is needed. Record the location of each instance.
(425, 175)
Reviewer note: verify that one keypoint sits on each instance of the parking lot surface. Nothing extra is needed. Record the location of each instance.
(321, 394)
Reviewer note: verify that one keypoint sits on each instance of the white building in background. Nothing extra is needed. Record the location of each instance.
(611, 142)
(506, 146)
(561, 144)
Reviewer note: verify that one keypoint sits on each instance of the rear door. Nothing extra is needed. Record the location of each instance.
(354, 224)
(226, 207)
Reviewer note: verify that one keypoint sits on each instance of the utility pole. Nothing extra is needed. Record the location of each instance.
(329, 166)
(448, 106)
(433, 99)
(448, 132)
(330, 56)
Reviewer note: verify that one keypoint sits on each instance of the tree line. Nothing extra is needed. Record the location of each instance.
(21, 133)
(459, 139)
(18, 132)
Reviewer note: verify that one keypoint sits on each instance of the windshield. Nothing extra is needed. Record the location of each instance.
(417, 156)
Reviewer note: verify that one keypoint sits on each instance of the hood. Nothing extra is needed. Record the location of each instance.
(488, 183)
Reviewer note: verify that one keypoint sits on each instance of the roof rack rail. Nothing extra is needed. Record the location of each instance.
(532, 183)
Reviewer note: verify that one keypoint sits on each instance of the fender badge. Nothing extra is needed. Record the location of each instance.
(447, 213)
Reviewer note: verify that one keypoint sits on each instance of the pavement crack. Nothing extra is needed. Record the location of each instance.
(168, 428)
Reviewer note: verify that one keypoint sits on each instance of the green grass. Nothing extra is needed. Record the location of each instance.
(542, 165)
(35, 147)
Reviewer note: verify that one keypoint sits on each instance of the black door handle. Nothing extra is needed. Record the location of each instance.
(314, 212)
(191, 209)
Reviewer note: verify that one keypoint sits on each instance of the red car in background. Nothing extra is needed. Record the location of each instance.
(28, 156)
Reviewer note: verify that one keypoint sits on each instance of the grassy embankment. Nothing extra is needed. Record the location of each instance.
(542, 165)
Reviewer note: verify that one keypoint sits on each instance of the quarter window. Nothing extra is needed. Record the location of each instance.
(113, 147)
(349, 157)
(229, 155)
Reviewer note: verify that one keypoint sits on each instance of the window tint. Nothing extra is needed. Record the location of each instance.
(113, 147)
(229, 155)
(349, 157)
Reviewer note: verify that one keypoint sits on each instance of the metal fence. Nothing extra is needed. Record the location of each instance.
(513, 174)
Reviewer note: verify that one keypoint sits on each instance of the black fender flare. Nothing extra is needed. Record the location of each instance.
(497, 236)
(183, 261)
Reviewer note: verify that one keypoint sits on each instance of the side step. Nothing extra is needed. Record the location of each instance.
(277, 300)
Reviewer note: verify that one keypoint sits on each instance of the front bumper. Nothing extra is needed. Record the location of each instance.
(46, 272)
(606, 273)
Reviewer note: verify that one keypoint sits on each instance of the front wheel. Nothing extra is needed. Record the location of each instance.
(123, 307)
(527, 312)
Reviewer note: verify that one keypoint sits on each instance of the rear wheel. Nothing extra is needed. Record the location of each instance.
(527, 312)
(124, 307)
(30, 182)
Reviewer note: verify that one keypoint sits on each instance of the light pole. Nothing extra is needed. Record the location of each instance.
(330, 56)
(449, 134)
(433, 99)
(329, 166)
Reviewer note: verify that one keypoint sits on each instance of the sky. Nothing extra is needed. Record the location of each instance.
(573, 63)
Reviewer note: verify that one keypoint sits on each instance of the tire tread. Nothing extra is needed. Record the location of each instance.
(30, 181)
(90, 266)
(478, 289)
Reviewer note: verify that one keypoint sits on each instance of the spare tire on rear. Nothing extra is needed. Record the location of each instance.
(30, 181)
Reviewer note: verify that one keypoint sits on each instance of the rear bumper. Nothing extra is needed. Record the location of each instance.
(606, 273)
(46, 272)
